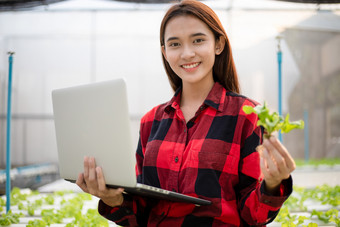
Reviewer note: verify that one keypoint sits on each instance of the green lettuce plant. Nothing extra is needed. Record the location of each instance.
(9, 218)
(272, 122)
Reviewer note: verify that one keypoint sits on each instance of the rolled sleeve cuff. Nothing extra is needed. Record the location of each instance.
(116, 213)
(286, 188)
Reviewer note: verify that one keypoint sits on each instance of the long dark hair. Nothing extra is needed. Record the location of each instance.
(224, 70)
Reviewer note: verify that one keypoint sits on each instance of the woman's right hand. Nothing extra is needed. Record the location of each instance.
(92, 181)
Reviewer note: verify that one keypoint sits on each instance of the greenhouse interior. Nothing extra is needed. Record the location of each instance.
(286, 54)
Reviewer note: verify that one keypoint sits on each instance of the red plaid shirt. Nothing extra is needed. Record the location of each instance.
(212, 156)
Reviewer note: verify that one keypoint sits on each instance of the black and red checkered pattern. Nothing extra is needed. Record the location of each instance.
(212, 156)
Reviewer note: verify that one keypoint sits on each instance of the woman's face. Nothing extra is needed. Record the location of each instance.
(190, 48)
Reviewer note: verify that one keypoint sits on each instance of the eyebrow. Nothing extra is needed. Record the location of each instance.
(193, 35)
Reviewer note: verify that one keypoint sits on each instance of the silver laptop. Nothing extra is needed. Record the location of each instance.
(93, 120)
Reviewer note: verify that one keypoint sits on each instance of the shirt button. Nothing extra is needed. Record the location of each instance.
(202, 107)
(185, 130)
(128, 211)
(176, 159)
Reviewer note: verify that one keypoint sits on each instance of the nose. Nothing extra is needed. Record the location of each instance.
(187, 52)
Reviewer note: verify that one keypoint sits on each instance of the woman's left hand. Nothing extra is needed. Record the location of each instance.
(276, 163)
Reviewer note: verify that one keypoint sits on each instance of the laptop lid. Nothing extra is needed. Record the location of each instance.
(93, 120)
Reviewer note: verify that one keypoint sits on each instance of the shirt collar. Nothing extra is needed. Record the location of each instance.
(215, 98)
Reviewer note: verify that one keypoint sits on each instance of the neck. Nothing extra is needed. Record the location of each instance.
(195, 94)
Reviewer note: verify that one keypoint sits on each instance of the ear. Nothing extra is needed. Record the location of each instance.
(219, 45)
(164, 52)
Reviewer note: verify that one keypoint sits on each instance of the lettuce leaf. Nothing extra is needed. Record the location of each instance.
(272, 122)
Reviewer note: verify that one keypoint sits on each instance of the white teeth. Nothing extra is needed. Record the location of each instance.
(190, 66)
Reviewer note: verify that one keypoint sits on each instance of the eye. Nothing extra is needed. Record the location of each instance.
(198, 40)
(174, 45)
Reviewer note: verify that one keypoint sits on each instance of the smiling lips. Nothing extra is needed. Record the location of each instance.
(191, 66)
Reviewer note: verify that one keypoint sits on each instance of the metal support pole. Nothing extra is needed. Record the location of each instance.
(279, 62)
(8, 142)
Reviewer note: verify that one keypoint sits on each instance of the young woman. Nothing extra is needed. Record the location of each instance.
(200, 143)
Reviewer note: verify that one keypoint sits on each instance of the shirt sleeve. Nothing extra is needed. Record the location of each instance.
(122, 215)
(257, 207)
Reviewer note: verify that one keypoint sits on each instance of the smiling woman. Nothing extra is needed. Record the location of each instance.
(200, 143)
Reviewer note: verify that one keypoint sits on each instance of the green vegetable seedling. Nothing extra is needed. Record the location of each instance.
(272, 122)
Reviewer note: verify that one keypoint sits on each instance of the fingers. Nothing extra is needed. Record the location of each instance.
(92, 170)
(102, 184)
(272, 175)
(112, 197)
(92, 181)
(81, 183)
(269, 167)
(290, 163)
(264, 169)
(86, 167)
(90, 175)
(277, 158)
(89, 168)
(100, 179)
